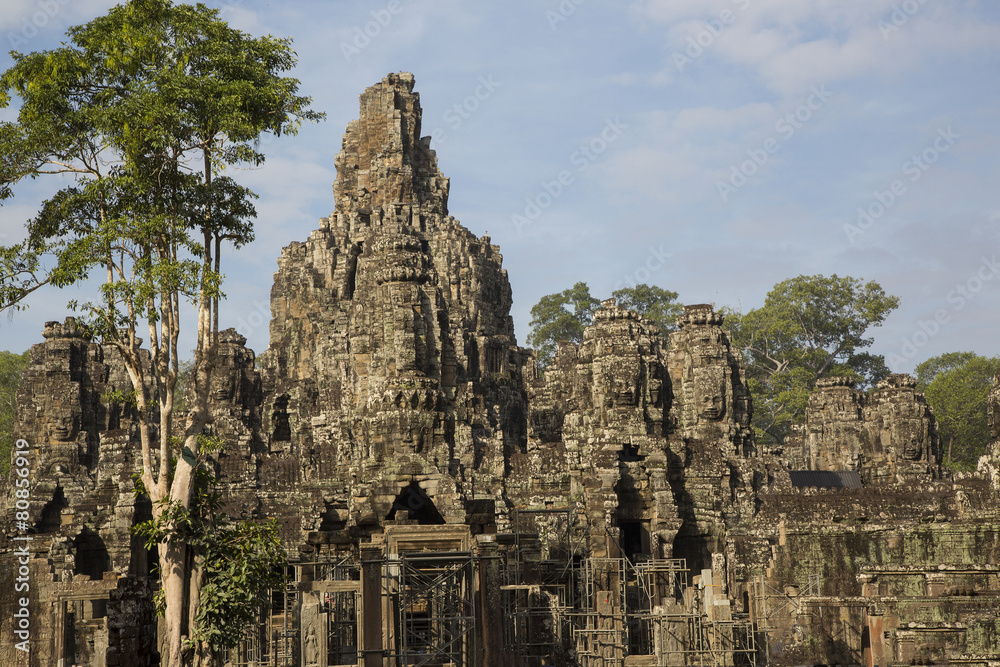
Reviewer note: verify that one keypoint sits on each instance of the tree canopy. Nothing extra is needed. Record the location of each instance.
(145, 108)
(563, 316)
(957, 386)
(650, 301)
(809, 327)
(926, 371)
(11, 367)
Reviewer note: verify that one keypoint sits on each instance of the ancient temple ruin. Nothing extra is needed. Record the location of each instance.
(443, 501)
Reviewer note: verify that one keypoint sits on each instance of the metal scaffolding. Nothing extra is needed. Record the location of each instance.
(428, 608)
(544, 551)
(540, 582)
(601, 638)
(277, 638)
(274, 638)
(339, 584)
(433, 610)
(657, 585)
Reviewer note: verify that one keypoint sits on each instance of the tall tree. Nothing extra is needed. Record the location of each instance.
(145, 107)
(809, 327)
(242, 562)
(650, 301)
(957, 385)
(926, 371)
(11, 367)
(561, 317)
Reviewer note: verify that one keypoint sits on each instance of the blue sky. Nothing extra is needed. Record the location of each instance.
(711, 147)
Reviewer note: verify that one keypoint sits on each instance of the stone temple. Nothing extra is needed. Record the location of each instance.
(444, 502)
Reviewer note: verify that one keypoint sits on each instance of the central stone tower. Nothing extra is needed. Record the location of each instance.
(393, 377)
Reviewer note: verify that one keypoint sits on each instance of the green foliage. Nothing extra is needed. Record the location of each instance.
(809, 327)
(957, 386)
(184, 371)
(561, 317)
(209, 444)
(650, 301)
(145, 107)
(119, 397)
(11, 367)
(21, 272)
(926, 371)
(238, 561)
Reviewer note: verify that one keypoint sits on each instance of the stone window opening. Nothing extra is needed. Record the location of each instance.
(635, 539)
(92, 557)
(630, 453)
(98, 609)
(695, 549)
(281, 429)
(352, 272)
(417, 503)
(494, 359)
(51, 517)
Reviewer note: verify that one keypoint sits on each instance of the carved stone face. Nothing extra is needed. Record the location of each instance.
(709, 393)
(222, 389)
(625, 396)
(62, 428)
(622, 383)
(912, 449)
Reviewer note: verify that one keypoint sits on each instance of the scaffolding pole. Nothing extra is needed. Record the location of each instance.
(433, 607)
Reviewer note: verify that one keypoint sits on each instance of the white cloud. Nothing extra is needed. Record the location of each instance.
(657, 183)
(791, 45)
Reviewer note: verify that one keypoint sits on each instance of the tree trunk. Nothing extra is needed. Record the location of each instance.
(199, 657)
(175, 562)
(173, 579)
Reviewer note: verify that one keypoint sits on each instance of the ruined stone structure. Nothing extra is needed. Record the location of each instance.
(886, 437)
(873, 554)
(89, 578)
(444, 501)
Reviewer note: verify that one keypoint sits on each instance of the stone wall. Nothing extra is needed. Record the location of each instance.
(917, 561)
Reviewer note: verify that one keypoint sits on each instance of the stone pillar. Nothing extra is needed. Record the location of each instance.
(872, 638)
(902, 440)
(490, 616)
(314, 650)
(834, 426)
(371, 608)
(873, 655)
